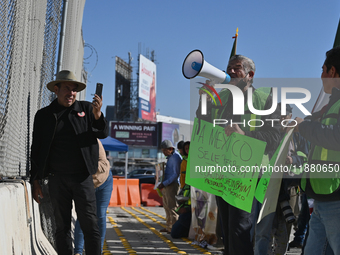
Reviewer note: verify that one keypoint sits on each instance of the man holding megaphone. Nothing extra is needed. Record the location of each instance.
(238, 225)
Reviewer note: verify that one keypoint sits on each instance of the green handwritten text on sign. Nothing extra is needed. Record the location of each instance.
(264, 181)
(224, 166)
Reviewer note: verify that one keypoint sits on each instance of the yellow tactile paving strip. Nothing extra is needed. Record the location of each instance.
(184, 239)
(119, 233)
(186, 247)
(168, 242)
(158, 215)
(134, 232)
(156, 232)
(106, 249)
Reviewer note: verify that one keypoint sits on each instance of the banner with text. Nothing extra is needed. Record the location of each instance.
(147, 89)
(224, 166)
(141, 134)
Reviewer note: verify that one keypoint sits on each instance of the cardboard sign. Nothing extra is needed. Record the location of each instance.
(159, 177)
(224, 166)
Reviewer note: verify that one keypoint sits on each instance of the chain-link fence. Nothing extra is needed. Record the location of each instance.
(28, 41)
(29, 35)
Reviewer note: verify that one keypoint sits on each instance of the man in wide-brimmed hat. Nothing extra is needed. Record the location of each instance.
(65, 149)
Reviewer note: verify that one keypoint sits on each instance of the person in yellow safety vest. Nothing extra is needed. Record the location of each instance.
(185, 155)
(321, 174)
(238, 225)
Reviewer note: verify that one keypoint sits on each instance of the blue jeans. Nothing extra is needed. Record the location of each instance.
(263, 234)
(103, 195)
(324, 225)
(182, 225)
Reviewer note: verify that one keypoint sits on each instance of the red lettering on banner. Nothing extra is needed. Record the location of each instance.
(146, 71)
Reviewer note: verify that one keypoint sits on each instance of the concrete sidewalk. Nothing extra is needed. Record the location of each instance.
(135, 230)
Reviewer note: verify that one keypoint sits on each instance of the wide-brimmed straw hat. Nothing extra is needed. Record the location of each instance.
(65, 76)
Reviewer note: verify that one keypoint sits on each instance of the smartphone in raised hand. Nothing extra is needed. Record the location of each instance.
(99, 89)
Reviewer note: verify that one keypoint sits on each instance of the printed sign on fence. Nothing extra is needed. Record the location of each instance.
(224, 166)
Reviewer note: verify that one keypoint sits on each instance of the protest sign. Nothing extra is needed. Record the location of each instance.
(159, 177)
(262, 186)
(226, 166)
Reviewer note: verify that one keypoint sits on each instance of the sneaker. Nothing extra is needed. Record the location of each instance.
(215, 247)
(295, 244)
(203, 244)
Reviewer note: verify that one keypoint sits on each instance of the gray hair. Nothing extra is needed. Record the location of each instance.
(248, 64)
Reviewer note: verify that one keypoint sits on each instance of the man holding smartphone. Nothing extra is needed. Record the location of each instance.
(99, 89)
(65, 150)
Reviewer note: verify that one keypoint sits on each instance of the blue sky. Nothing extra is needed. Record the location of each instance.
(286, 39)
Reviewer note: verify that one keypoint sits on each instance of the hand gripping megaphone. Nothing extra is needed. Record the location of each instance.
(195, 65)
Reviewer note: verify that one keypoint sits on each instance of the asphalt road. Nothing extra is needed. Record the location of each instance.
(135, 230)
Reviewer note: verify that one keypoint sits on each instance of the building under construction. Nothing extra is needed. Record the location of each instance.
(126, 93)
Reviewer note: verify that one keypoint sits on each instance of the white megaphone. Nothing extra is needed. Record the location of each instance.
(195, 65)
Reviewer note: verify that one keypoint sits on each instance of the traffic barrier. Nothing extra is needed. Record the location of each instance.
(150, 196)
(118, 193)
(21, 231)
